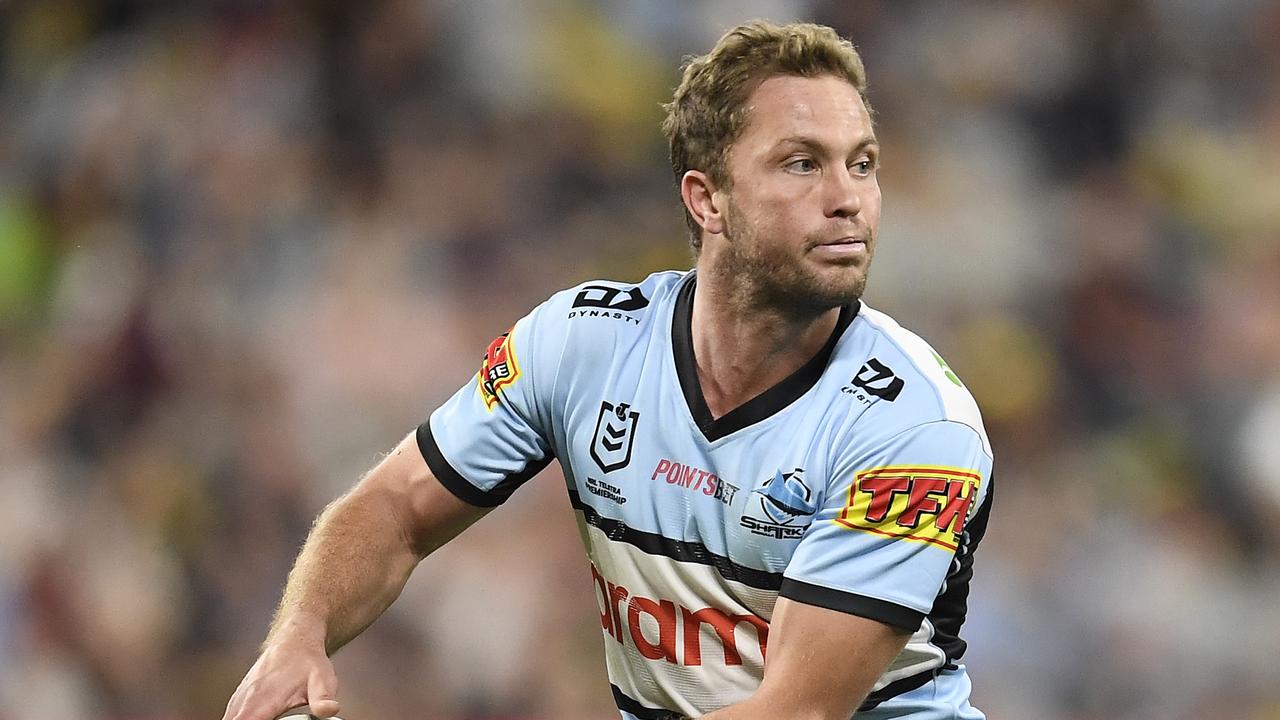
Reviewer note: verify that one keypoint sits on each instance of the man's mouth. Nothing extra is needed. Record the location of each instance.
(846, 241)
(849, 246)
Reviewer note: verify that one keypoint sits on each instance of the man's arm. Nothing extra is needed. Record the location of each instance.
(354, 564)
(821, 664)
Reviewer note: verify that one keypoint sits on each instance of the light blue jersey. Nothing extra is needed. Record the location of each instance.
(860, 483)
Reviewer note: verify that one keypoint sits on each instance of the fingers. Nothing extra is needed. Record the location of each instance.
(281, 681)
(254, 702)
(322, 691)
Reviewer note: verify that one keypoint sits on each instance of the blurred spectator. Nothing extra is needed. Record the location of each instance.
(245, 247)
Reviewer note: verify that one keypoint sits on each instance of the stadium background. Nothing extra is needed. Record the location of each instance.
(245, 247)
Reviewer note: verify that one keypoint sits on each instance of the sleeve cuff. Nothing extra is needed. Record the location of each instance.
(450, 478)
(464, 488)
(884, 611)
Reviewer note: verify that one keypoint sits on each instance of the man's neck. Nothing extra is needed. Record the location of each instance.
(743, 349)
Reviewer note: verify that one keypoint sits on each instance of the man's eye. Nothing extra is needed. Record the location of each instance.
(802, 165)
(863, 167)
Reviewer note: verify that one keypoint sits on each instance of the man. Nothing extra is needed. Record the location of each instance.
(761, 465)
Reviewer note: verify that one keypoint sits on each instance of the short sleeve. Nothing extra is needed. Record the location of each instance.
(892, 521)
(494, 433)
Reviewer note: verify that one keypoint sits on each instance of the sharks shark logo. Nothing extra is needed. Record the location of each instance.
(782, 507)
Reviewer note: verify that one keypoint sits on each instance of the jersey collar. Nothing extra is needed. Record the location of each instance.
(760, 407)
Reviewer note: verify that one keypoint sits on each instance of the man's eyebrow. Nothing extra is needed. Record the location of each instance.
(814, 144)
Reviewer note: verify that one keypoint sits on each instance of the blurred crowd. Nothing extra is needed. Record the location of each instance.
(245, 247)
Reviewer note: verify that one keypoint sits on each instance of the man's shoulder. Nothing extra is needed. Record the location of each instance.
(619, 295)
(591, 321)
(606, 307)
(908, 382)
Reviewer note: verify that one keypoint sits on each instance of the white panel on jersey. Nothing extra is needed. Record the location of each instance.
(919, 655)
(678, 635)
(957, 403)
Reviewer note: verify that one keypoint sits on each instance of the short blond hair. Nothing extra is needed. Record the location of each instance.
(708, 110)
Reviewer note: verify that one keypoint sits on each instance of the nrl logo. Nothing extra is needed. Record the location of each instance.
(614, 436)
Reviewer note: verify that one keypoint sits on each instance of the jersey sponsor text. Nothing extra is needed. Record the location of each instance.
(924, 504)
(694, 479)
(663, 630)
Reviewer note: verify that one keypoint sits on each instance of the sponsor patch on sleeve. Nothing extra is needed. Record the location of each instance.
(925, 504)
(498, 369)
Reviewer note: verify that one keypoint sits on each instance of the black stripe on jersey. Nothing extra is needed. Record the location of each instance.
(628, 704)
(886, 612)
(464, 489)
(896, 688)
(679, 550)
(760, 407)
(949, 608)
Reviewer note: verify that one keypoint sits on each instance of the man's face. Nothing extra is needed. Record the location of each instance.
(804, 201)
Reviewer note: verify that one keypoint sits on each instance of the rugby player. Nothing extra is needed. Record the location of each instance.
(780, 489)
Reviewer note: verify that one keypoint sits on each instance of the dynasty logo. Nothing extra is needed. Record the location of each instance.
(922, 504)
(781, 508)
(874, 379)
(608, 302)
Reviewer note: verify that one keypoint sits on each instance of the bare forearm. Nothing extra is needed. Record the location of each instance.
(759, 707)
(781, 703)
(353, 565)
(822, 664)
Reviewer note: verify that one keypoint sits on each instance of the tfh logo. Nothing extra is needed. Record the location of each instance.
(923, 504)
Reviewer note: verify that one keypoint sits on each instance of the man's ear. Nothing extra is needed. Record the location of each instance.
(703, 201)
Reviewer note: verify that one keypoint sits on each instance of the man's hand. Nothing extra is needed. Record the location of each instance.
(289, 673)
(353, 565)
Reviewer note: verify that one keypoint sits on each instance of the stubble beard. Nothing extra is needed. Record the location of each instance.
(780, 280)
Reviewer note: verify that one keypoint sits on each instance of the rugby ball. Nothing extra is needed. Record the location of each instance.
(302, 713)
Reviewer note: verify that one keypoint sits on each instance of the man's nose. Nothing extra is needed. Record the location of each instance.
(843, 197)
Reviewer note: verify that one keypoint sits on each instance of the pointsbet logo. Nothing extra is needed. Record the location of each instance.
(922, 504)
